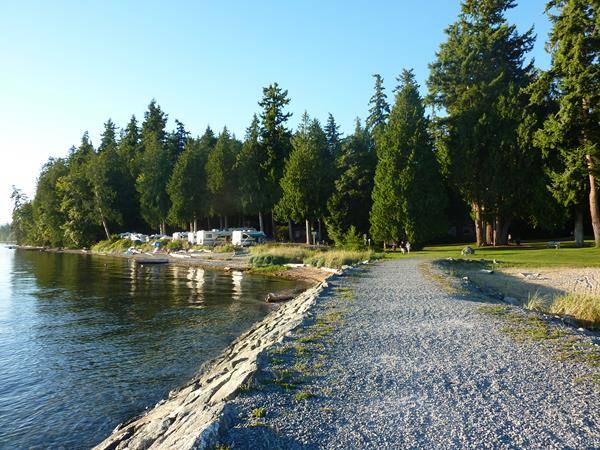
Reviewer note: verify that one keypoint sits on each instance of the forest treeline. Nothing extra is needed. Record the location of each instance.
(503, 142)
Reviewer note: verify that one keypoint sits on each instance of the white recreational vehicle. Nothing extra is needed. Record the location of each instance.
(213, 237)
(246, 238)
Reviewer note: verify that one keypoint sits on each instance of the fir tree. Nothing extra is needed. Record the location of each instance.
(350, 202)
(155, 169)
(477, 78)
(275, 139)
(250, 171)
(187, 186)
(570, 135)
(220, 180)
(304, 192)
(379, 109)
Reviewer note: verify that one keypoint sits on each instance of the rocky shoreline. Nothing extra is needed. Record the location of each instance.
(227, 262)
(192, 416)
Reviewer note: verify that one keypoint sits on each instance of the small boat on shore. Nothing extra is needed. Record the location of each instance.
(144, 261)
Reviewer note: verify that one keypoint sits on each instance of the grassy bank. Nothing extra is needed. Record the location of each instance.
(277, 255)
(528, 254)
(584, 309)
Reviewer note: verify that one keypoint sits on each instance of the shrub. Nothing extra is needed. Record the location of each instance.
(225, 248)
(173, 245)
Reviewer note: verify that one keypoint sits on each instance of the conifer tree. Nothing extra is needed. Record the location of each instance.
(220, 176)
(571, 134)
(187, 186)
(480, 70)
(107, 173)
(77, 197)
(275, 139)
(303, 185)
(155, 169)
(250, 171)
(334, 137)
(350, 203)
(379, 109)
(408, 198)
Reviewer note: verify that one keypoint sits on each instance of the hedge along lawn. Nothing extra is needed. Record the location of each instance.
(528, 254)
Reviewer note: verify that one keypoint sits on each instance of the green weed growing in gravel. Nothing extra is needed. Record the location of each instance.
(303, 395)
(258, 413)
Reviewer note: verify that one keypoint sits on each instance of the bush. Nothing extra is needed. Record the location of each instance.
(112, 246)
(173, 245)
(225, 248)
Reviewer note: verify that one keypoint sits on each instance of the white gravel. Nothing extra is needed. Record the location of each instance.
(410, 366)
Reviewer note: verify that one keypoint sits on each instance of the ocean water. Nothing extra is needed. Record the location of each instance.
(87, 342)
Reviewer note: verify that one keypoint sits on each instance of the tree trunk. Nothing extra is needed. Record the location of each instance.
(226, 222)
(272, 223)
(578, 232)
(501, 231)
(208, 222)
(261, 226)
(307, 232)
(195, 225)
(489, 233)
(220, 222)
(384, 246)
(478, 224)
(594, 211)
(290, 231)
(105, 225)
(320, 235)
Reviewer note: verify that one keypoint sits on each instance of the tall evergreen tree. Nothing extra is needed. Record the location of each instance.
(570, 135)
(155, 169)
(275, 139)
(187, 186)
(77, 197)
(130, 147)
(379, 109)
(108, 175)
(176, 140)
(334, 137)
(350, 202)
(250, 171)
(304, 187)
(220, 179)
(479, 73)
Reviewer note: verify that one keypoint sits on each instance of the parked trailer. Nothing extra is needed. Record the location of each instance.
(247, 238)
(213, 237)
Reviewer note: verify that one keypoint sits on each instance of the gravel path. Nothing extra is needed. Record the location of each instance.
(389, 360)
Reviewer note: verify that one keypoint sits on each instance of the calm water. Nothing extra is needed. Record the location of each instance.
(87, 342)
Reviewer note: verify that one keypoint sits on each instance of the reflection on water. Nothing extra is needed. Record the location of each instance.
(87, 342)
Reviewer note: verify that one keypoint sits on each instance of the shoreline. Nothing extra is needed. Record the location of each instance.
(224, 262)
(192, 416)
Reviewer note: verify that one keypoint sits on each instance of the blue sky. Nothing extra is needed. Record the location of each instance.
(68, 66)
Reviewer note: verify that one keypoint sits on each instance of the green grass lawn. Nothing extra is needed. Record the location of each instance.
(528, 254)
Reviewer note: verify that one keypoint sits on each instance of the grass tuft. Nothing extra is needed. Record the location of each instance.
(258, 413)
(583, 308)
(303, 395)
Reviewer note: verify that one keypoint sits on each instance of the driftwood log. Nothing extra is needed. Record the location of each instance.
(283, 295)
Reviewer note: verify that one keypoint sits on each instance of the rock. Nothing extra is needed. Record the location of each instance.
(511, 300)
(465, 279)
(468, 250)
(486, 271)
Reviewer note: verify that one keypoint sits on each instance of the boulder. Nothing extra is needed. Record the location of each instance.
(468, 250)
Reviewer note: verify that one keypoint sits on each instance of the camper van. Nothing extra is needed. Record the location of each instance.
(213, 237)
(247, 238)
